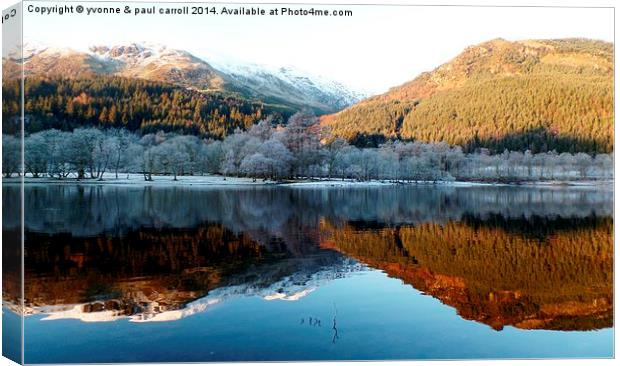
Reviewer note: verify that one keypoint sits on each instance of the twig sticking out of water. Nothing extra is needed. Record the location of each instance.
(334, 328)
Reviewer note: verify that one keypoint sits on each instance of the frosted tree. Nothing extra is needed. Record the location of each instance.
(369, 163)
(583, 162)
(171, 157)
(125, 140)
(263, 130)
(604, 164)
(11, 155)
(236, 147)
(388, 164)
(191, 145)
(82, 144)
(59, 145)
(343, 160)
(36, 154)
(210, 157)
(104, 151)
(144, 160)
(135, 159)
(528, 162)
(333, 151)
(282, 158)
(267, 151)
(301, 137)
(257, 165)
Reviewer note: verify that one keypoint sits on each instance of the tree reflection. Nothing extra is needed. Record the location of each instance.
(527, 257)
(498, 272)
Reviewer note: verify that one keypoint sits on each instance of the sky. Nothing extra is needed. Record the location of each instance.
(377, 48)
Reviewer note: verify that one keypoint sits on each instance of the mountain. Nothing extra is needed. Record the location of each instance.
(148, 88)
(535, 94)
(159, 63)
(131, 61)
(285, 87)
(288, 85)
(47, 61)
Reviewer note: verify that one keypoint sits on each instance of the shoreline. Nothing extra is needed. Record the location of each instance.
(221, 181)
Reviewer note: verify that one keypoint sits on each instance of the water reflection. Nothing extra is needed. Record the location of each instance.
(534, 258)
(498, 271)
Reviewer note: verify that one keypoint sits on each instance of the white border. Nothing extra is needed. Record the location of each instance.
(554, 3)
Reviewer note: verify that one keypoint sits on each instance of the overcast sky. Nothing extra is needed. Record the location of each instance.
(377, 48)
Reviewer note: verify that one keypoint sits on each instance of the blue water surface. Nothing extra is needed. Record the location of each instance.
(377, 317)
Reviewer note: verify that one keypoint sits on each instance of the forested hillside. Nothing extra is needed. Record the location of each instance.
(134, 104)
(529, 95)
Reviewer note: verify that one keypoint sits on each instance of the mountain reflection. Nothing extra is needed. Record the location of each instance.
(495, 274)
(153, 274)
(528, 257)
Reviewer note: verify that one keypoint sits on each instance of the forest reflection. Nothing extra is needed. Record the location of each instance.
(533, 258)
(499, 272)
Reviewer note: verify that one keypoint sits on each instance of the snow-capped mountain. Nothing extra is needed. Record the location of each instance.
(158, 62)
(45, 60)
(288, 84)
(285, 86)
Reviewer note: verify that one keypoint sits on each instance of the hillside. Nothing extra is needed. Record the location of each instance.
(159, 63)
(539, 95)
(134, 104)
(283, 87)
(289, 86)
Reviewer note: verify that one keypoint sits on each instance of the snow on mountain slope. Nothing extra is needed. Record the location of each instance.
(158, 62)
(287, 86)
(44, 60)
(292, 287)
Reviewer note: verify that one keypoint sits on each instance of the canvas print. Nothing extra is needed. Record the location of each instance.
(199, 182)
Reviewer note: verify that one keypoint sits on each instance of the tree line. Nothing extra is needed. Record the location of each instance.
(269, 150)
(140, 106)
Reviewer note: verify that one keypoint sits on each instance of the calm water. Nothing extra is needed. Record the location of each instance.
(199, 274)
